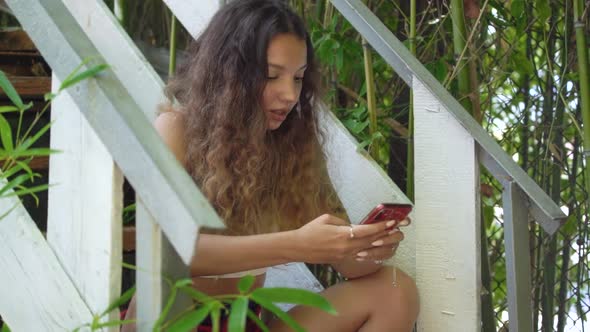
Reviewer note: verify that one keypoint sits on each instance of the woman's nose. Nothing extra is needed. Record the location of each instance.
(289, 92)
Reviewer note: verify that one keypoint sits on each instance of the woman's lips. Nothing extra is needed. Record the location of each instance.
(278, 115)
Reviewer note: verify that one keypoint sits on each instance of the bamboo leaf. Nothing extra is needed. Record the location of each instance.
(35, 152)
(245, 283)
(14, 183)
(253, 317)
(5, 328)
(268, 305)
(195, 294)
(91, 72)
(29, 191)
(3, 215)
(10, 91)
(124, 298)
(6, 134)
(189, 321)
(31, 140)
(517, 8)
(295, 296)
(238, 313)
(115, 323)
(8, 109)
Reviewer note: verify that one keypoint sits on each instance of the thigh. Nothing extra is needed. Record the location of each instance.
(358, 300)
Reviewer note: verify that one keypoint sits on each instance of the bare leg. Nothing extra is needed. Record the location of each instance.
(366, 304)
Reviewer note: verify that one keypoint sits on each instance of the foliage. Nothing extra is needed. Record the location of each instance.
(522, 64)
(234, 306)
(17, 150)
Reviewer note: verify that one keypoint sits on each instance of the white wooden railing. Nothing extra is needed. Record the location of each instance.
(105, 124)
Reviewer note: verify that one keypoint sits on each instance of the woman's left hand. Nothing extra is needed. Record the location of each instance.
(383, 248)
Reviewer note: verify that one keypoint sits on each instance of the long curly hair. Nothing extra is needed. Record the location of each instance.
(258, 180)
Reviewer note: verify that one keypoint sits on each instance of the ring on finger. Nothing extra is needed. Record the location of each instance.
(378, 261)
(351, 232)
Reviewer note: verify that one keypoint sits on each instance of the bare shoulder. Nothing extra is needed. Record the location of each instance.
(170, 126)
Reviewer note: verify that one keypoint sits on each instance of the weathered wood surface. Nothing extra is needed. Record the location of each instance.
(447, 218)
(85, 206)
(121, 123)
(36, 292)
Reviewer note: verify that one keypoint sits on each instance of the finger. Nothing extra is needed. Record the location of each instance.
(361, 231)
(394, 237)
(407, 221)
(382, 253)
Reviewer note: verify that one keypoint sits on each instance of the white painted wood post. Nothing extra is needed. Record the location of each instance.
(36, 294)
(447, 219)
(84, 217)
(156, 259)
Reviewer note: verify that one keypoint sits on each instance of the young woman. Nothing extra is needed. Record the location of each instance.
(245, 126)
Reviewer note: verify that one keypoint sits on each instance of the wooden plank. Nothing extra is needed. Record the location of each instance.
(410, 69)
(518, 271)
(156, 260)
(37, 294)
(447, 218)
(85, 206)
(194, 15)
(15, 40)
(29, 86)
(359, 194)
(121, 125)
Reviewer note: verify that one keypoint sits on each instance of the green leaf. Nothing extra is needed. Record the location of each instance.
(245, 284)
(91, 72)
(6, 134)
(215, 315)
(355, 126)
(115, 323)
(188, 321)
(120, 301)
(14, 169)
(238, 313)
(195, 294)
(517, 8)
(295, 296)
(543, 9)
(14, 183)
(268, 305)
(7, 87)
(253, 317)
(166, 310)
(35, 152)
(28, 191)
(49, 96)
(4, 214)
(8, 109)
(183, 283)
(31, 140)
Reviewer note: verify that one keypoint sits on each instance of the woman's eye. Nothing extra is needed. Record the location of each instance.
(272, 77)
(299, 79)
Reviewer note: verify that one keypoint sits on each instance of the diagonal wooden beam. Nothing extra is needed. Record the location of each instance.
(37, 294)
(118, 117)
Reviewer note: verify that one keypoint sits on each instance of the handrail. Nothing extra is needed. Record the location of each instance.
(492, 156)
(122, 124)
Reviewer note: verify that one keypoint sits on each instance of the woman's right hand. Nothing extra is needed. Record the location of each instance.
(327, 239)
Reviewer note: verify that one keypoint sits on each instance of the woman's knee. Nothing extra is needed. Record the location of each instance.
(393, 288)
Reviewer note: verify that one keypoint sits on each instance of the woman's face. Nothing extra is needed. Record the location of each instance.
(287, 61)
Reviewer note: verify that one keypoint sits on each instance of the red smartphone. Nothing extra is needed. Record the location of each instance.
(387, 211)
